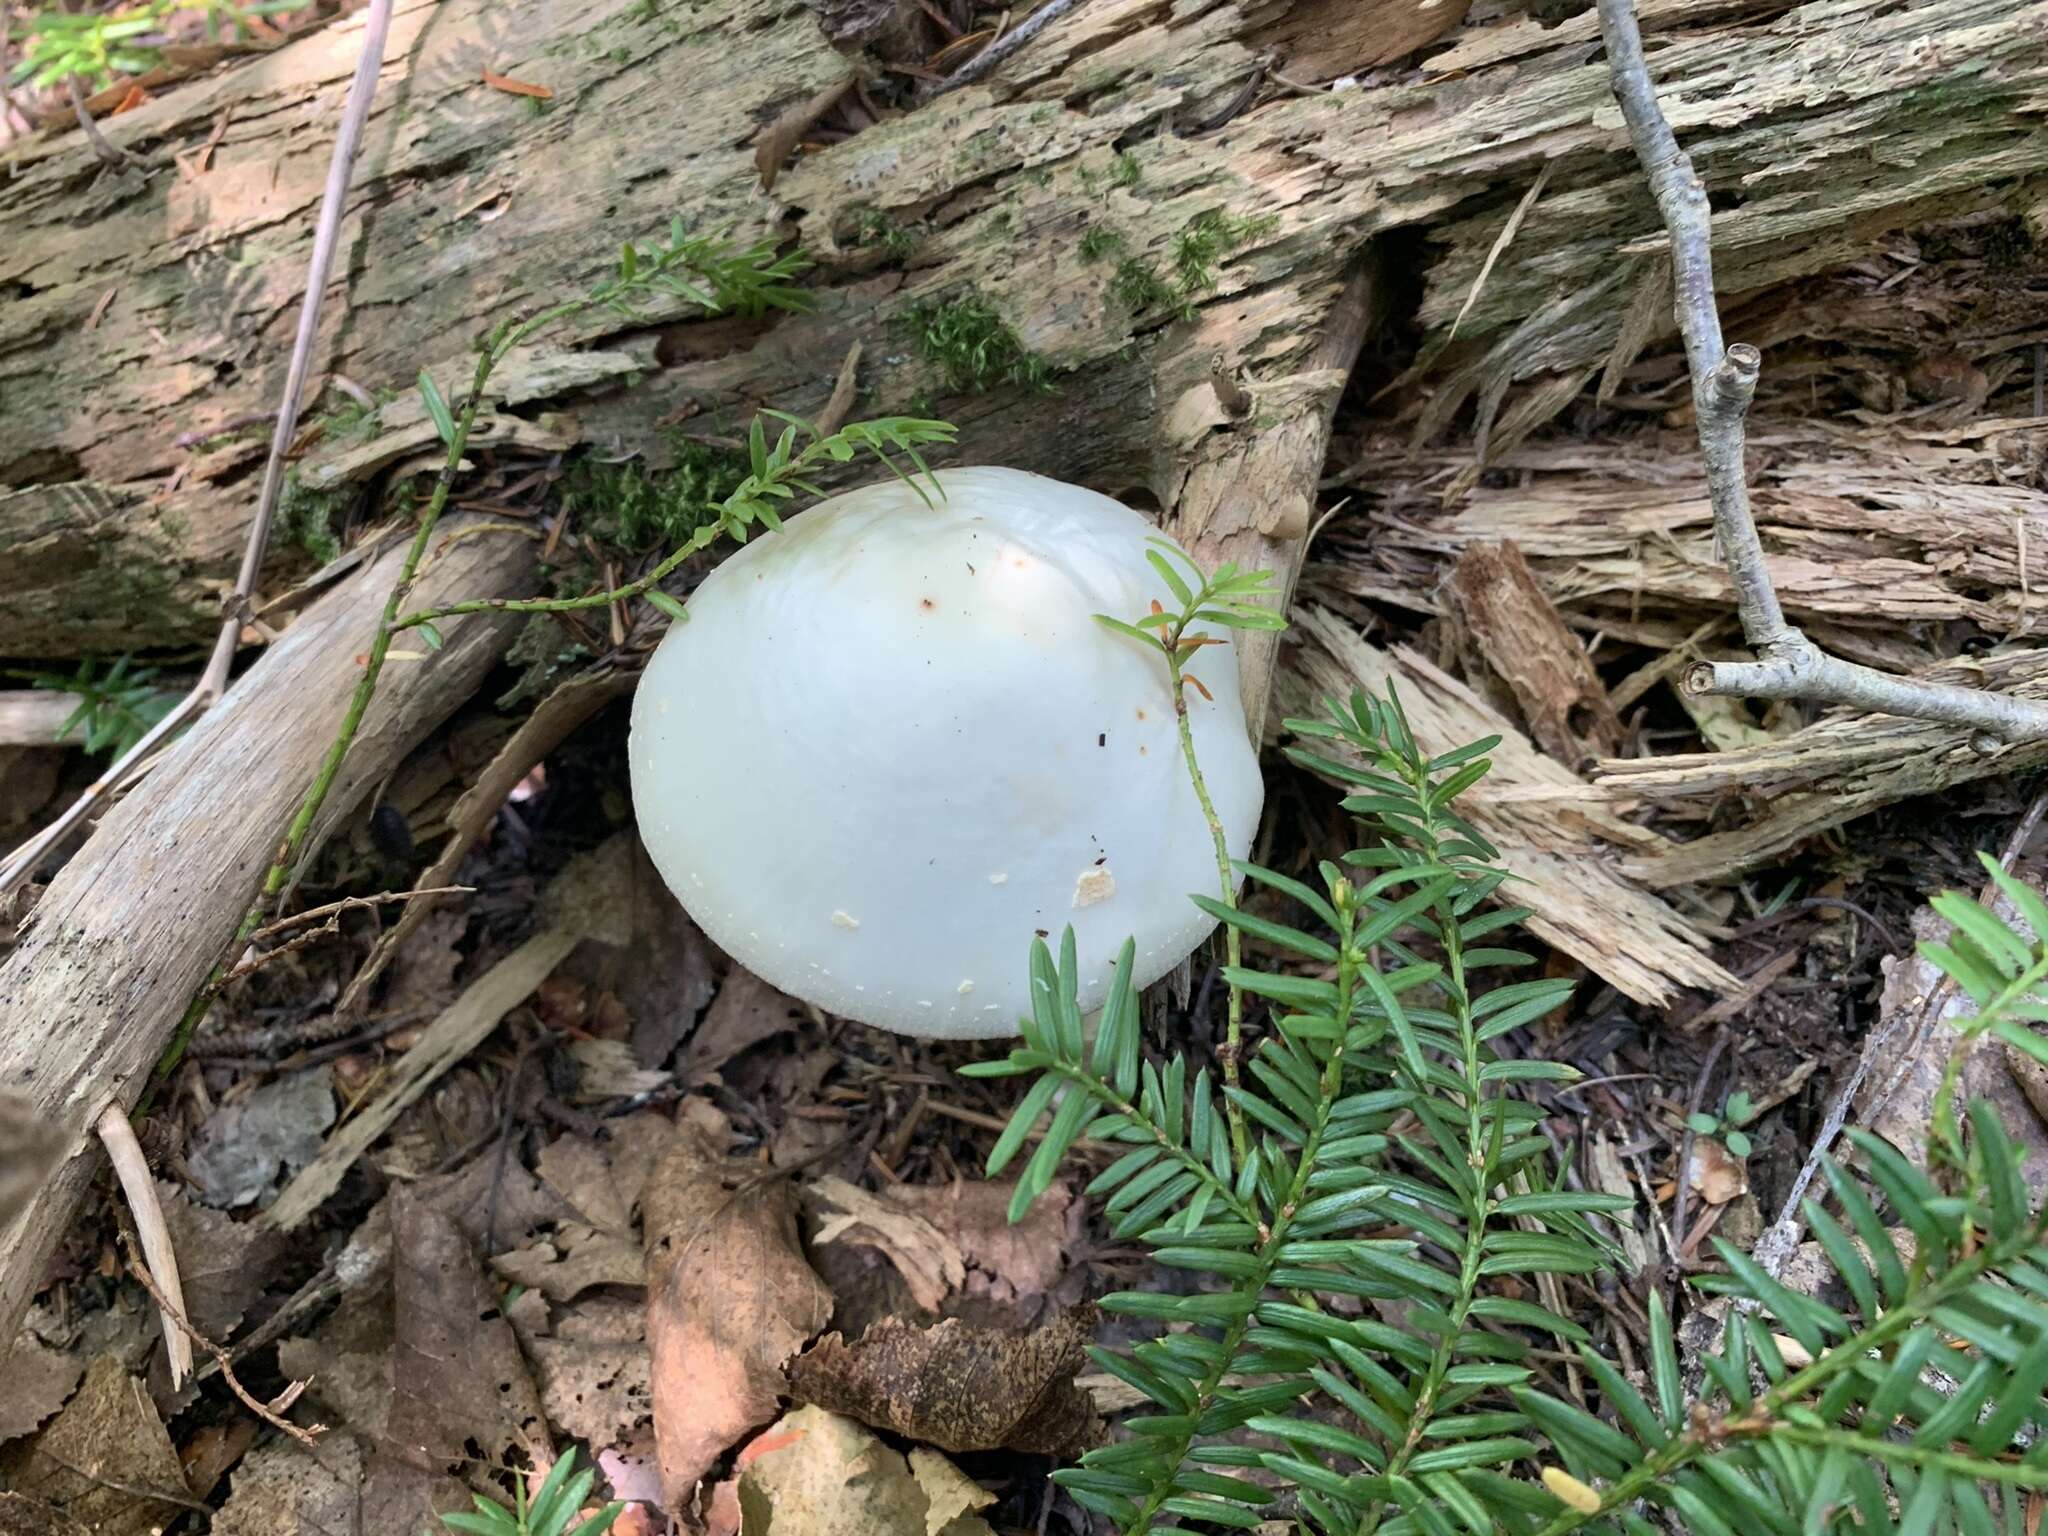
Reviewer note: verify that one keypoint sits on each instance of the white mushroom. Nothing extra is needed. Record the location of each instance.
(891, 743)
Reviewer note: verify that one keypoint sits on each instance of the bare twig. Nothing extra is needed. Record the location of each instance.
(272, 1412)
(213, 682)
(1789, 666)
(153, 1235)
(1679, 1200)
(107, 153)
(329, 920)
(1000, 49)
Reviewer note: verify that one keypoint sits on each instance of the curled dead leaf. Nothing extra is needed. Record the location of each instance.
(1717, 1175)
(929, 1261)
(959, 1386)
(776, 142)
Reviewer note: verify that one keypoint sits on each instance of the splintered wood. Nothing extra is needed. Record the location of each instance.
(1868, 531)
(1881, 538)
(1552, 831)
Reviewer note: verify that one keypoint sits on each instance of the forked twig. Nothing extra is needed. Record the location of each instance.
(1789, 666)
(272, 1412)
(213, 682)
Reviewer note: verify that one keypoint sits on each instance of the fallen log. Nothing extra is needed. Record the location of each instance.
(127, 932)
(1231, 243)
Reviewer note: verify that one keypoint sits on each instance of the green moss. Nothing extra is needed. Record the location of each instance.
(974, 347)
(542, 650)
(308, 518)
(1125, 171)
(1207, 238)
(876, 230)
(1138, 286)
(637, 511)
(1097, 242)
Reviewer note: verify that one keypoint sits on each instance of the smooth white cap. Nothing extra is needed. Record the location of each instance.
(891, 743)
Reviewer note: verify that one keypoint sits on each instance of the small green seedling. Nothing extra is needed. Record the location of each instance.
(115, 710)
(560, 1497)
(1726, 1126)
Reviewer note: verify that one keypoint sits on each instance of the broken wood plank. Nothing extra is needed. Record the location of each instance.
(994, 184)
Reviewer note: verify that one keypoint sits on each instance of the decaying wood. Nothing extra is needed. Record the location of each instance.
(1511, 641)
(1875, 535)
(1552, 832)
(1844, 766)
(125, 935)
(1786, 664)
(475, 204)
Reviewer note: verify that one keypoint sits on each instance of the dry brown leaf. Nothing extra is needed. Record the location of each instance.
(111, 1434)
(1005, 1261)
(30, 1149)
(511, 87)
(1717, 1175)
(729, 1299)
(283, 1490)
(746, 1011)
(39, 1379)
(817, 1474)
(460, 1391)
(929, 1261)
(224, 1264)
(591, 1362)
(602, 1183)
(775, 143)
(958, 1386)
(669, 978)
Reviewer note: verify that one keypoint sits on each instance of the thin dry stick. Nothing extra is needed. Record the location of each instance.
(154, 1236)
(329, 920)
(1724, 381)
(272, 1412)
(1000, 49)
(213, 682)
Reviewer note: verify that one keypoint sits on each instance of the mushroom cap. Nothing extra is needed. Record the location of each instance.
(891, 744)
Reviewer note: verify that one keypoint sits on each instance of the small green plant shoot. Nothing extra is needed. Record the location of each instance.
(1727, 1125)
(561, 1495)
(95, 47)
(115, 709)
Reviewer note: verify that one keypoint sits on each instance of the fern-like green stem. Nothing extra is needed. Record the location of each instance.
(1479, 1152)
(1974, 1468)
(699, 541)
(1274, 1235)
(380, 647)
(1081, 1080)
(1233, 1037)
(1763, 1417)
